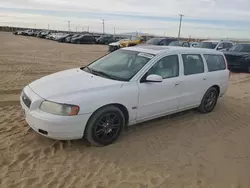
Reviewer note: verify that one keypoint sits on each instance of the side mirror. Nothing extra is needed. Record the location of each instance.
(154, 78)
(219, 48)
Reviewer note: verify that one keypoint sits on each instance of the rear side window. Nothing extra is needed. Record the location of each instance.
(193, 64)
(215, 62)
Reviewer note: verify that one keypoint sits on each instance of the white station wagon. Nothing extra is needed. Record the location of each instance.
(126, 87)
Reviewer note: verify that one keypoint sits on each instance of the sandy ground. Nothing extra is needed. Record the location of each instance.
(185, 150)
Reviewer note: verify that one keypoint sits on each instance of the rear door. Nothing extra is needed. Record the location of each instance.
(217, 71)
(194, 80)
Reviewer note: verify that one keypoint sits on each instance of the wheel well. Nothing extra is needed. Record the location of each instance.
(121, 107)
(217, 88)
(124, 111)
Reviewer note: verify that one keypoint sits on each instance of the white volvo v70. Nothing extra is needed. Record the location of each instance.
(128, 86)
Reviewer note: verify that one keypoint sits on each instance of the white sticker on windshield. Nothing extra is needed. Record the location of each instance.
(150, 56)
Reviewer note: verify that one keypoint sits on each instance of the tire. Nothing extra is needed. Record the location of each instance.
(99, 122)
(248, 69)
(78, 42)
(204, 107)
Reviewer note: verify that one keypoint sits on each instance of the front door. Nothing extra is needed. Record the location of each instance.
(157, 99)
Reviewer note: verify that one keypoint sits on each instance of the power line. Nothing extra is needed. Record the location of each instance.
(179, 33)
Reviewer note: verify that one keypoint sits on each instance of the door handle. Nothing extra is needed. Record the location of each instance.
(177, 83)
(204, 78)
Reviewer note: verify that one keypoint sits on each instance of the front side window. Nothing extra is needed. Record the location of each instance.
(154, 41)
(193, 64)
(241, 48)
(215, 62)
(120, 65)
(167, 67)
(186, 44)
(209, 45)
(220, 46)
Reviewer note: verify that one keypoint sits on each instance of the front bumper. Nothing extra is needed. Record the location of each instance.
(52, 126)
(113, 48)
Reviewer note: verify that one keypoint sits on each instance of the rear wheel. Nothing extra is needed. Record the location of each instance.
(248, 69)
(209, 100)
(105, 126)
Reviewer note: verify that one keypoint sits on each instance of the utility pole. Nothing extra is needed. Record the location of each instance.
(48, 26)
(69, 25)
(181, 15)
(114, 30)
(103, 26)
(88, 29)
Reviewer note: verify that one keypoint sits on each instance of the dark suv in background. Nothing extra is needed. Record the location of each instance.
(105, 40)
(160, 41)
(84, 39)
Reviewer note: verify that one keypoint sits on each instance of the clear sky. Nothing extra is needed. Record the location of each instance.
(202, 18)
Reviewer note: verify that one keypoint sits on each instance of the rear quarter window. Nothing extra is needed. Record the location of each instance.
(215, 62)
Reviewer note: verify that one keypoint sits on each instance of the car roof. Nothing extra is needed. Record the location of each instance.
(216, 41)
(154, 49)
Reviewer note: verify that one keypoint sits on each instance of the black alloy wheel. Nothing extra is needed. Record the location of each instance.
(209, 100)
(105, 126)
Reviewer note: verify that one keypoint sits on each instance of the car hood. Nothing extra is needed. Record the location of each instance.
(69, 82)
(114, 44)
(235, 53)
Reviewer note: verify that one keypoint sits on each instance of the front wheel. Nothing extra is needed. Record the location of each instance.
(209, 100)
(105, 126)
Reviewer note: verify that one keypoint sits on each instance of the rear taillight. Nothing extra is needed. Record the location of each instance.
(227, 65)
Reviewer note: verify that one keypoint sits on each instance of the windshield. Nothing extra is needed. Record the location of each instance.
(135, 38)
(176, 43)
(210, 45)
(120, 65)
(123, 40)
(241, 48)
(154, 41)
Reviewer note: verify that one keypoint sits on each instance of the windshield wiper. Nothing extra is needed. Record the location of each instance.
(90, 70)
(100, 73)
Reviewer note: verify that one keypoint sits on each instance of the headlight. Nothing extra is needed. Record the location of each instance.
(59, 109)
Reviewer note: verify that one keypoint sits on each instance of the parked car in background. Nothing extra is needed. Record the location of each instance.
(138, 83)
(180, 43)
(193, 44)
(238, 57)
(28, 32)
(105, 40)
(134, 40)
(61, 38)
(116, 45)
(43, 34)
(216, 44)
(84, 39)
(68, 38)
(37, 33)
(160, 41)
(18, 32)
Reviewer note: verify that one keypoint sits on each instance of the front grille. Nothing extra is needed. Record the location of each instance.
(26, 100)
